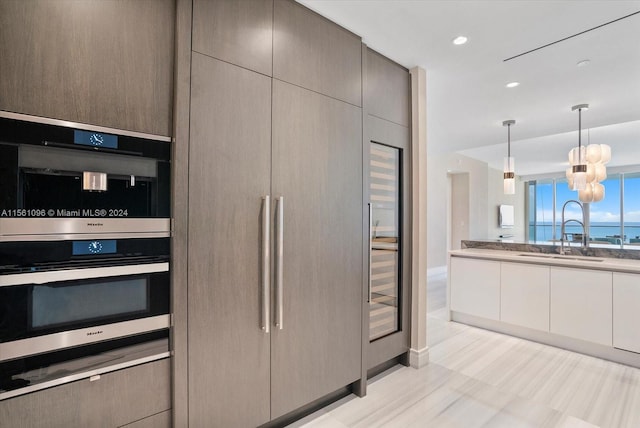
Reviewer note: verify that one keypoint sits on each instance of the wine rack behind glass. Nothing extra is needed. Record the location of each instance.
(384, 278)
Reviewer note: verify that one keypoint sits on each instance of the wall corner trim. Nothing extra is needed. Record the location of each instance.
(419, 209)
(419, 358)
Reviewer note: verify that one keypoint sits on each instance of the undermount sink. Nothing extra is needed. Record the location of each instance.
(584, 259)
(561, 257)
(548, 256)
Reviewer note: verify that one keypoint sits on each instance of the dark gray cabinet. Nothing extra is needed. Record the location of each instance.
(114, 400)
(239, 32)
(388, 89)
(296, 136)
(107, 63)
(229, 174)
(159, 420)
(317, 168)
(313, 52)
(312, 159)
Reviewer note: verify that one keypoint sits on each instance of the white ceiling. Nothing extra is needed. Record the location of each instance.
(466, 95)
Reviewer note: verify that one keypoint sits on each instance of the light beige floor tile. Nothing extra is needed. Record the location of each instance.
(478, 378)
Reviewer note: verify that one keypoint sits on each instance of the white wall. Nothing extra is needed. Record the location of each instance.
(458, 209)
(496, 197)
(437, 212)
(484, 196)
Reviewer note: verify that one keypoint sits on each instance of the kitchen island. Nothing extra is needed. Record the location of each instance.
(585, 303)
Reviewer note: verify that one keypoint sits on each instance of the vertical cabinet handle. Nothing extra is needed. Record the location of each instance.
(266, 263)
(279, 261)
(370, 247)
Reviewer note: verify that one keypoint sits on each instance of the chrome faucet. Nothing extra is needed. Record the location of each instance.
(585, 238)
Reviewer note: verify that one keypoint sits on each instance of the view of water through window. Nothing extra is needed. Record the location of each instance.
(607, 225)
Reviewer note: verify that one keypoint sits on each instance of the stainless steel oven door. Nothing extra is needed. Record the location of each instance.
(52, 310)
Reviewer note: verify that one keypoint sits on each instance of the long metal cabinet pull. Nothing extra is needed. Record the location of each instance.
(266, 263)
(279, 262)
(370, 247)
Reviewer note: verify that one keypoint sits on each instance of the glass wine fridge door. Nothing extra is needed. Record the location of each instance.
(384, 237)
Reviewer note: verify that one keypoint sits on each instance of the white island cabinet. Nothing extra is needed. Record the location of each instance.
(586, 304)
(581, 304)
(475, 287)
(626, 311)
(524, 295)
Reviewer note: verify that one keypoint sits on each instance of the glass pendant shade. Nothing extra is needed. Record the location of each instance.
(569, 174)
(605, 153)
(591, 173)
(594, 153)
(509, 176)
(598, 153)
(509, 185)
(577, 156)
(579, 177)
(578, 167)
(598, 192)
(586, 195)
(601, 172)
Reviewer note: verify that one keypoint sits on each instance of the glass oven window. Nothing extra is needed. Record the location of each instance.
(58, 304)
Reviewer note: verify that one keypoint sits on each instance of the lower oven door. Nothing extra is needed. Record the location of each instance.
(52, 310)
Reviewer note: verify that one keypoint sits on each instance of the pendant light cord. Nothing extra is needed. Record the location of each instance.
(580, 135)
(509, 140)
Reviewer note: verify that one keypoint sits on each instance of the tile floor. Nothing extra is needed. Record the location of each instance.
(477, 378)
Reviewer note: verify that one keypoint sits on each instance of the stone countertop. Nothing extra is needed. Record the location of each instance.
(551, 259)
(593, 250)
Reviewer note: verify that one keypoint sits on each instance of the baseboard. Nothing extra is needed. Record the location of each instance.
(547, 338)
(419, 358)
(437, 271)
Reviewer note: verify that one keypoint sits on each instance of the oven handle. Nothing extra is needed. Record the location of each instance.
(80, 274)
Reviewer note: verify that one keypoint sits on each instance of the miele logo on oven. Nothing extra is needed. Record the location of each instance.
(95, 224)
(93, 333)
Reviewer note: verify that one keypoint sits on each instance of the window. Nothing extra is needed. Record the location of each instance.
(631, 213)
(605, 215)
(541, 210)
(613, 221)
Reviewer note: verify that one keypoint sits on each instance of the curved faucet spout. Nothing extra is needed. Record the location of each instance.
(585, 238)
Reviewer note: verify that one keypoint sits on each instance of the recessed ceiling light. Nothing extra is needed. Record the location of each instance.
(583, 63)
(460, 40)
(512, 84)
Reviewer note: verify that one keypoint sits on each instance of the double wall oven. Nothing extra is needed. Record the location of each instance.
(84, 251)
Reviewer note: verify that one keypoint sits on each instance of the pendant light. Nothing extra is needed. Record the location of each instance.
(509, 164)
(587, 165)
(577, 158)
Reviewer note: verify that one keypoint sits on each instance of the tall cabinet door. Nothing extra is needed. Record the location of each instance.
(387, 170)
(317, 168)
(229, 174)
